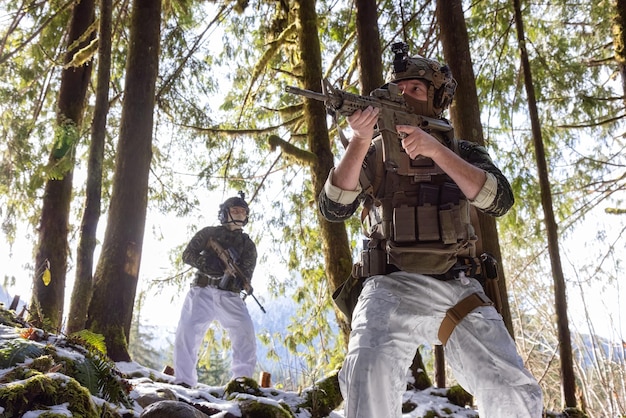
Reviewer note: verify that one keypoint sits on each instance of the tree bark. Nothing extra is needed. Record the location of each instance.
(619, 41)
(81, 294)
(115, 281)
(465, 117)
(46, 307)
(560, 294)
(368, 43)
(335, 244)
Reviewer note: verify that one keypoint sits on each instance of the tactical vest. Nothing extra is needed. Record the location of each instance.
(415, 217)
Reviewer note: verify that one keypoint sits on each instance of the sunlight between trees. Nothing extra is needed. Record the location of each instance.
(111, 111)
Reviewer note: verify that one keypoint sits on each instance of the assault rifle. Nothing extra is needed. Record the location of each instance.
(232, 270)
(393, 111)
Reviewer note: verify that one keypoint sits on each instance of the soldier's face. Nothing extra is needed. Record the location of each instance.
(237, 213)
(415, 89)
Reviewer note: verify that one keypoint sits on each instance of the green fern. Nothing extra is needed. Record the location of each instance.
(110, 385)
(89, 340)
(87, 375)
(14, 352)
(95, 371)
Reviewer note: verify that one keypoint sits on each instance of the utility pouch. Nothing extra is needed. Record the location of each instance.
(489, 279)
(230, 283)
(489, 266)
(375, 225)
(425, 258)
(200, 280)
(373, 262)
(347, 295)
(226, 282)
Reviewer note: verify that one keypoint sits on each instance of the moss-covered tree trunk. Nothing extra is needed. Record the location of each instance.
(115, 281)
(52, 248)
(335, 245)
(465, 116)
(81, 294)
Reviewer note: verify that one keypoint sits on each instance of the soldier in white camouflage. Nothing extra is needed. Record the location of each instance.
(419, 266)
(215, 295)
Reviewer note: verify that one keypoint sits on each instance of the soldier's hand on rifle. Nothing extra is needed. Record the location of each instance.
(248, 288)
(362, 123)
(468, 177)
(418, 142)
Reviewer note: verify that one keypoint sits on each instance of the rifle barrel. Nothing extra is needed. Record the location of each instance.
(306, 93)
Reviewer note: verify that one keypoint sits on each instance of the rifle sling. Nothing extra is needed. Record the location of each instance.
(455, 314)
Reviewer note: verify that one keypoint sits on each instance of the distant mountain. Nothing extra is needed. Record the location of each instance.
(588, 349)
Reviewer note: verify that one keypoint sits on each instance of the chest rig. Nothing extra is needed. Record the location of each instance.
(415, 217)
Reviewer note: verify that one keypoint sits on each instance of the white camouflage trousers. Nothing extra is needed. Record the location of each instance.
(202, 306)
(398, 312)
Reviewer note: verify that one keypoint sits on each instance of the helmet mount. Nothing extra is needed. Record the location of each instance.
(401, 57)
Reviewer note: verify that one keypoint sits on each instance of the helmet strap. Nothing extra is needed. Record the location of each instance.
(234, 223)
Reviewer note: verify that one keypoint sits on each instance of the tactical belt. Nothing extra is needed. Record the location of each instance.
(469, 266)
(203, 280)
(455, 314)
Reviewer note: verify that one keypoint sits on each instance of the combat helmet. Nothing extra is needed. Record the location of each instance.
(439, 77)
(223, 215)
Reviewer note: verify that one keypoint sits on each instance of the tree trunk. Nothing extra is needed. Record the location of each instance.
(560, 294)
(46, 308)
(619, 41)
(81, 294)
(115, 281)
(368, 42)
(465, 117)
(335, 244)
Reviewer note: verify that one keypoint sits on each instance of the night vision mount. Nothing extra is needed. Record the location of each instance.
(401, 57)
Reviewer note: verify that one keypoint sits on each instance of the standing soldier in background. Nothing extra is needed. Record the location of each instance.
(419, 265)
(215, 295)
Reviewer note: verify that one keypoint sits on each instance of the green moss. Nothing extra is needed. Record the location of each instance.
(93, 371)
(323, 397)
(408, 407)
(66, 135)
(574, 413)
(114, 337)
(422, 381)
(253, 409)
(9, 318)
(45, 390)
(242, 385)
(42, 364)
(458, 396)
(19, 373)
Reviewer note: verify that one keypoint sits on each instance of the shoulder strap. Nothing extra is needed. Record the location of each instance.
(372, 189)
